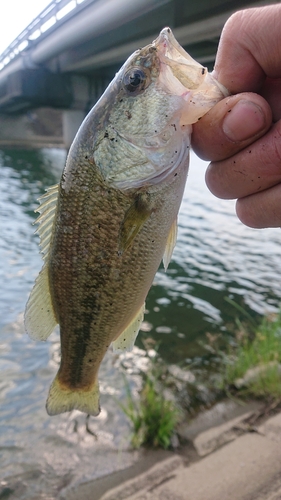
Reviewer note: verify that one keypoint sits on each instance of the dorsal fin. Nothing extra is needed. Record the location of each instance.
(170, 245)
(39, 316)
(126, 340)
(47, 210)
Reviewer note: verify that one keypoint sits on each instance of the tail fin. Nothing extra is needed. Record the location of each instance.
(61, 400)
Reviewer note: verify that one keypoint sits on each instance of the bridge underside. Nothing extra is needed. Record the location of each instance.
(69, 68)
(29, 88)
(80, 46)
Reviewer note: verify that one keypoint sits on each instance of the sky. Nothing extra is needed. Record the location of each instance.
(15, 15)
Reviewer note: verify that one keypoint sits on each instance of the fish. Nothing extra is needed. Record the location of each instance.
(105, 228)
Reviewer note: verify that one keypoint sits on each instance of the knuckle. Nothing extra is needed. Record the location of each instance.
(235, 20)
(238, 26)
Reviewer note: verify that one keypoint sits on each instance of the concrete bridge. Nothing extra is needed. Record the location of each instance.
(57, 68)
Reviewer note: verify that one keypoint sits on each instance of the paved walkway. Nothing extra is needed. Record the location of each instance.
(229, 457)
(246, 466)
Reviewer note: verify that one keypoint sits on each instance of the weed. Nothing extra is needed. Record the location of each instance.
(153, 417)
(254, 366)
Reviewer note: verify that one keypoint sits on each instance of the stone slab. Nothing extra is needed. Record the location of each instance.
(158, 474)
(241, 469)
(219, 414)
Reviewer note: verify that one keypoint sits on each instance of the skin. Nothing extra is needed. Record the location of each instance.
(241, 134)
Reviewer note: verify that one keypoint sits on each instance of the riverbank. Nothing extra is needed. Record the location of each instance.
(231, 451)
(228, 436)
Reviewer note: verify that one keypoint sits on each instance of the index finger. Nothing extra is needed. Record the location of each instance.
(256, 54)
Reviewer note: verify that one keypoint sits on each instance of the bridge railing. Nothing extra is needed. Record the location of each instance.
(49, 18)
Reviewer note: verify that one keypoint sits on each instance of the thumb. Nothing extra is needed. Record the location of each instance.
(231, 125)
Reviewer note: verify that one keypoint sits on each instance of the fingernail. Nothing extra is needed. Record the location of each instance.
(243, 121)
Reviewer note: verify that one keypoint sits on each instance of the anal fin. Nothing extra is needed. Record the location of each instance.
(126, 340)
(170, 245)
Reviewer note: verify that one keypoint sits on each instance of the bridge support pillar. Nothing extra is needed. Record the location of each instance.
(71, 121)
(36, 128)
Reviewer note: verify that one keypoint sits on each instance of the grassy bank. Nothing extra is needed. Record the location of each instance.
(247, 367)
(253, 365)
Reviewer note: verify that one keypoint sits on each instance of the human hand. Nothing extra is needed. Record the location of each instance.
(241, 135)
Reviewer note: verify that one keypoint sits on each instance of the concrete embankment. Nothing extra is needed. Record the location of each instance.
(232, 453)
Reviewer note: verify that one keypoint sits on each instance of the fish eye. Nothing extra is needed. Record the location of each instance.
(135, 80)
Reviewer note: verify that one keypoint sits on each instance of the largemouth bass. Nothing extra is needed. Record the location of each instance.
(105, 228)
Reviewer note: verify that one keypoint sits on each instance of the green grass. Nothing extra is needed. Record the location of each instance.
(262, 352)
(153, 418)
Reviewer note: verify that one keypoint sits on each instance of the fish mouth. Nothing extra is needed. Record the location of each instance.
(181, 73)
(187, 71)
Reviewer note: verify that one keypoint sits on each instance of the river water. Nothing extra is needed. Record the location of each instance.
(215, 257)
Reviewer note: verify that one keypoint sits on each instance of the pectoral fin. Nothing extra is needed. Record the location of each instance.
(134, 220)
(171, 241)
(126, 340)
